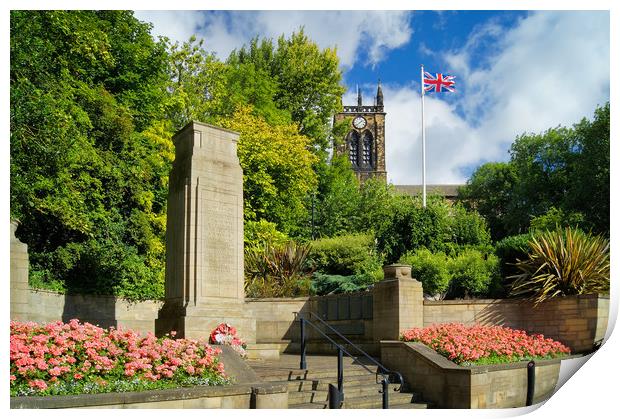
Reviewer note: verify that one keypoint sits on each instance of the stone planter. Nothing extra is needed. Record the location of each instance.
(448, 385)
(243, 396)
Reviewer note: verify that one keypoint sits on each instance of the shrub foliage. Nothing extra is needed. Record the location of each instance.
(277, 271)
(350, 254)
(563, 262)
(431, 269)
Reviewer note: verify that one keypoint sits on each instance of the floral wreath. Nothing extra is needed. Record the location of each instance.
(225, 334)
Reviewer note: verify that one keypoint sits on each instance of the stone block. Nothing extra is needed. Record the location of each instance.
(367, 306)
(397, 303)
(355, 307)
(332, 308)
(343, 307)
(204, 244)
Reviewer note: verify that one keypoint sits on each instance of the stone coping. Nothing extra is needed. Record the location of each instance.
(274, 299)
(308, 298)
(508, 300)
(442, 362)
(107, 296)
(192, 123)
(85, 400)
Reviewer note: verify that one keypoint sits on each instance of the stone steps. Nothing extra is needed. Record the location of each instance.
(323, 384)
(319, 346)
(396, 400)
(356, 390)
(308, 388)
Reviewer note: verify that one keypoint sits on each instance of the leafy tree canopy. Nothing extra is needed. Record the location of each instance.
(306, 79)
(277, 169)
(89, 155)
(560, 175)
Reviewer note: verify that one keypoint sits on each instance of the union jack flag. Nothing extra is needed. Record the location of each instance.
(438, 83)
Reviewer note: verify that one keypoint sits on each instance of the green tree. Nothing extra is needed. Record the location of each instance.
(589, 185)
(561, 174)
(196, 83)
(338, 198)
(377, 201)
(544, 165)
(277, 169)
(410, 226)
(307, 79)
(490, 191)
(89, 157)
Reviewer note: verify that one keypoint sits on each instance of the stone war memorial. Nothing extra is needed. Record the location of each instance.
(332, 351)
(204, 243)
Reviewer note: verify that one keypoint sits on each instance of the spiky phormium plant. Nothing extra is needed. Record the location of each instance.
(562, 262)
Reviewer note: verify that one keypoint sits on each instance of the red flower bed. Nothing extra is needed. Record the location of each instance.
(484, 344)
(74, 358)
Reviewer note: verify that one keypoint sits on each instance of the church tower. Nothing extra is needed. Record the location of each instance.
(365, 141)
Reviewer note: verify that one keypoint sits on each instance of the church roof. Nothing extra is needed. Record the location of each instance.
(448, 191)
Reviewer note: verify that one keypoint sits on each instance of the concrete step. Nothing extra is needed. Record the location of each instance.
(364, 402)
(263, 351)
(357, 390)
(291, 375)
(320, 347)
(323, 384)
(411, 406)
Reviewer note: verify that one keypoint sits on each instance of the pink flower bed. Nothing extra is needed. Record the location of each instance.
(484, 344)
(73, 358)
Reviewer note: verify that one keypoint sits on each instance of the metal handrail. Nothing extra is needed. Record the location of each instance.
(385, 373)
(340, 335)
(339, 346)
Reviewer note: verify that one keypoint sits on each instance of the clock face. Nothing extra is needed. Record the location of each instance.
(359, 122)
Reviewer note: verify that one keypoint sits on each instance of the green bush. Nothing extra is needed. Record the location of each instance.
(438, 227)
(429, 268)
(104, 267)
(563, 262)
(511, 249)
(277, 271)
(555, 218)
(346, 255)
(323, 284)
(258, 234)
(468, 230)
(410, 226)
(473, 274)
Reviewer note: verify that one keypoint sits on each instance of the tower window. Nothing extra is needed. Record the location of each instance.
(353, 148)
(367, 150)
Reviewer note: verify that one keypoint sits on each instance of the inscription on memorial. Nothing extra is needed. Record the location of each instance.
(220, 245)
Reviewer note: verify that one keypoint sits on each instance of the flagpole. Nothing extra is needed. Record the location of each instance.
(423, 139)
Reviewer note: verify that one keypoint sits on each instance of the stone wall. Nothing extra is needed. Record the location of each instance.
(256, 396)
(104, 311)
(448, 385)
(20, 294)
(577, 321)
(350, 314)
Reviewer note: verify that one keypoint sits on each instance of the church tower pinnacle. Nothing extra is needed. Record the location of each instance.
(379, 95)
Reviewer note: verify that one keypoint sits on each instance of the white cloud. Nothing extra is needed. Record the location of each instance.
(449, 139)
(551, 69)
(178, 25)
(368, 34)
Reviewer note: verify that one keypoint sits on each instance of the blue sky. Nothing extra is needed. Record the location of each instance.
(516, 72)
